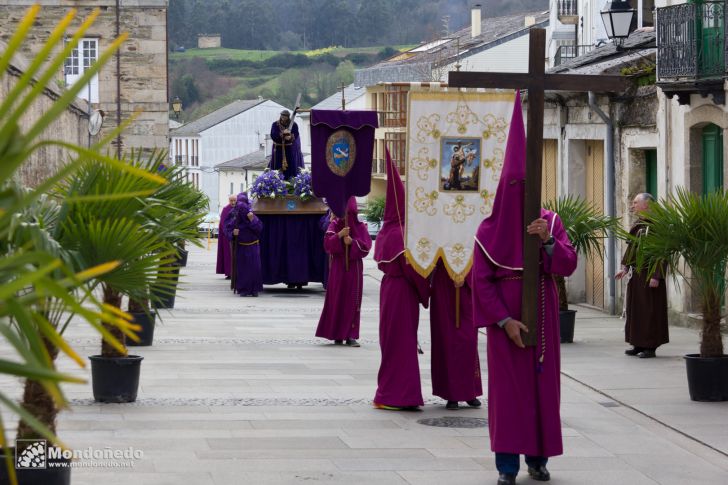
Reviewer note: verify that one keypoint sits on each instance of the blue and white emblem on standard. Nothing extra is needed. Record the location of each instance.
(291, 205)
(340, 152)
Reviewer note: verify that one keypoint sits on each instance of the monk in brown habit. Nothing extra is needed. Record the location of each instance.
(646, 308)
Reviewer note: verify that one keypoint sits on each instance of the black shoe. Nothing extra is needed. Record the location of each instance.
(506, 479)
(352, 342)
(633, 351)
(452, 405)
(338, 342)
(540, 473)
(227, 277)
(646, 354)
(475, 403)
(290, 286)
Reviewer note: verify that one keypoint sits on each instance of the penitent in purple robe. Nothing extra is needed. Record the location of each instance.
(401, 293)
(523, 384)
(342, 305)
(248, 275)
(455, 362)
(224, 259)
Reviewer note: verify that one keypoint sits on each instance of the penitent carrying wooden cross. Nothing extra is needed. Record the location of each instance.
(536, 81)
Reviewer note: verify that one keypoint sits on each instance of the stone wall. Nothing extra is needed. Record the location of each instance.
(70, 127)
(142, 62)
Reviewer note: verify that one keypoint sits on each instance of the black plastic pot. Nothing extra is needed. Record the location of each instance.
(115, 379)
(146, 334)
(166, 300)
(707, 377)
(182, 258)
(567, 320)
(55, 475)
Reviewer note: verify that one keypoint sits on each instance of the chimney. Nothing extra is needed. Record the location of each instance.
(530, 20)
(475, 20)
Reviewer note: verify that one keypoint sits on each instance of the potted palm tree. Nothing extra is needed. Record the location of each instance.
(38, 285)
(688, 234)
(586, 227)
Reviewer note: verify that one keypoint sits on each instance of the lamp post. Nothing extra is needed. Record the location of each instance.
(177, 106)
(618, 16)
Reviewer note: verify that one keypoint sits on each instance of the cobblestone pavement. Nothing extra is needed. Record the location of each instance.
(238, 391)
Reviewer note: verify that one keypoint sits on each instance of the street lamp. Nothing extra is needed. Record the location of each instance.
(618, 16)
(177, 106)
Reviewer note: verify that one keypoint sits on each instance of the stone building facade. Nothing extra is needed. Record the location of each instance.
(134, 80)
(70, 127)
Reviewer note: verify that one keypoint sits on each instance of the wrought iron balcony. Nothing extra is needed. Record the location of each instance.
(178, 160)
(566, 52)
(691, 43)
(567, 10)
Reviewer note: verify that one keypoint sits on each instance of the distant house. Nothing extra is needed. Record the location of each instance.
(238, 174)
(209, 41)
(232, 131)
(490, 44)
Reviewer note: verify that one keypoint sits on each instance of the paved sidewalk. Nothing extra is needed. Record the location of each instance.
(238, 391)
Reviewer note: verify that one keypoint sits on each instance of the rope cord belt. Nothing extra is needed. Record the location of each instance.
(250, 243)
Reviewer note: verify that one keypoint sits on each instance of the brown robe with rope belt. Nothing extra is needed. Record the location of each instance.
(646, 308)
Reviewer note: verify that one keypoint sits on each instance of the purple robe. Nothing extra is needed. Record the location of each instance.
(248, 274)
(455, 362)
(224, 259)
(294, 157)
(342, 305)
(523, 404)
(524, 389)
(400, 295)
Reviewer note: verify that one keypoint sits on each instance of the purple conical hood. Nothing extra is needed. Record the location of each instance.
(500, 235)
(390, 240)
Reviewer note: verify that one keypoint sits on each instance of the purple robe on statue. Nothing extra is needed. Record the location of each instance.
(455, 362)
(402, 292)
(248, 275)
(293, 155)
(224, 259)
(342, 305)
(523, 384)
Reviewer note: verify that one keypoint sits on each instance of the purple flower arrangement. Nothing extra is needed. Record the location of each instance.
(302, 185)
(269, 185)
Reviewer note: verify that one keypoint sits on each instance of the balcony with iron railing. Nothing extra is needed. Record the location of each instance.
(691, 44)
(567, 11)
(566, 52)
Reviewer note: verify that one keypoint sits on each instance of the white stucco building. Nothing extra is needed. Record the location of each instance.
(230, 132)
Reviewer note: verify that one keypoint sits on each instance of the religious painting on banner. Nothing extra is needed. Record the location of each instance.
(342, 145)
(455, 151)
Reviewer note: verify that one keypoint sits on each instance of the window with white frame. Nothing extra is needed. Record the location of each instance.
(85, 54)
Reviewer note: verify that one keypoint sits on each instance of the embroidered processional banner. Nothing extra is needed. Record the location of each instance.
(455, 149)
(342, 145)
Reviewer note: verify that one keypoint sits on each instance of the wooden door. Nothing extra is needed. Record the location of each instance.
(550, 167)
(712, 139)
(595, 194)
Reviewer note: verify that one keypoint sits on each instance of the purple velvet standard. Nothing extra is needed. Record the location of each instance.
(523, 393)
(292, 249)
(224, 259)
(401, 293)
(294, 157)
(357, 181)
(455, 362)
(248, 278)
(342, 306)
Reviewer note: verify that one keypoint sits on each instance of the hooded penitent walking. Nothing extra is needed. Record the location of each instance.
(402, 292)
(342, 306)
(224, 258)
(244, 228)
(523, 382)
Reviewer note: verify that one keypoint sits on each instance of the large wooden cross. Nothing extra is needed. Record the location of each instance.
(536, 81)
